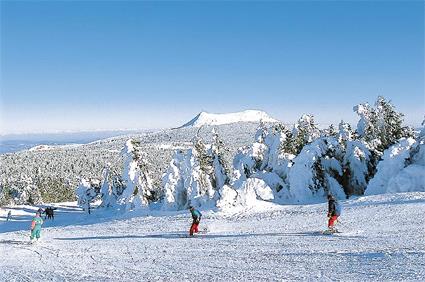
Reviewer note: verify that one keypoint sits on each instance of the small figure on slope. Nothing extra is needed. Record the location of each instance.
(334, 211)
(196, 216)
(50, 213)
(9, 216)
(41, 211)
(36, 223)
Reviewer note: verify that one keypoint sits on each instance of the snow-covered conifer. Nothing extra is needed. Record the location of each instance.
(198, 184)
(395, 173)
(220, 167)
(138, 183)
(345, 133)
(189, 179)
(382, 126)
(175, 193)
(331, 131)
(357, 167)
(305, 131)
(86, 192)
(105, 190)
(315, 171)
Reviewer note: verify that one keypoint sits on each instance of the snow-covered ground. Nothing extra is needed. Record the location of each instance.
(382, 239)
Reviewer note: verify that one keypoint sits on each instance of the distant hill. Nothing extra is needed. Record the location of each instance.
(54, 169)
(205, 118)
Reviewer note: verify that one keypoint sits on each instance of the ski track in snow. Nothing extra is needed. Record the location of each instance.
(382, 239)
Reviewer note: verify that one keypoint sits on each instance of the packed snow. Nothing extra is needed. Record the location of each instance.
(381, 240)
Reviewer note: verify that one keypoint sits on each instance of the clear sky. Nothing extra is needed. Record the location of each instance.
(105, 65)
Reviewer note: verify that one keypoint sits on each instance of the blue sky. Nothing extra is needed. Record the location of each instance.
(108, 65)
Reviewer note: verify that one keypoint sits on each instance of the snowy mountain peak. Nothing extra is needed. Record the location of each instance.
(204, 118)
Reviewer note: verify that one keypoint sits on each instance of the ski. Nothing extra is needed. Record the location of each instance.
(330, 231)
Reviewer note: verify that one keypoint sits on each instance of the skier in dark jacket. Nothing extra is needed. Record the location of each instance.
(332, 212)
(48, 211)
(196, 216)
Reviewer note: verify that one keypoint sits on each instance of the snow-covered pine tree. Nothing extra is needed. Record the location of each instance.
(199, 175)
(220, 167)
(367, 124)
(276, 161)
(5, 197)
(345, 133)
(138, 192)
(331, 131)
(261, 133)
(417, 153)
(304, 132)
(382, 126)
(86, 193)
(402, 168)
(266, 159)
(288, 145)
(250, 159)
(256, 169)
(378, 128)
(390, 124)
(315, 170)
(29, 194)
(203, 156)
(117, 187)
(356, 160)
(188, 180)
(394, 161)
(273, 139)
(106, 195)
(175, 193)
(357, 167)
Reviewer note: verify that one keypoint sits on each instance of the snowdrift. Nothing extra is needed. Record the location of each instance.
(402, 169)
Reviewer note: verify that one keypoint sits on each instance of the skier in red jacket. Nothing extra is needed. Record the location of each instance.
(196, 216)
(332, 212)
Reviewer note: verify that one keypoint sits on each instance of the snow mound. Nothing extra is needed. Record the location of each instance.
(392, 173)
(409, 179)
(205, 118)
(253, 192)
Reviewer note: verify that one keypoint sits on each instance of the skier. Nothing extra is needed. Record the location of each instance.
(46, 211)
(49, 213)
(9, 215)
(41, 211)
(36, 223)
(52, 213)
(196, 216)
(333, 213)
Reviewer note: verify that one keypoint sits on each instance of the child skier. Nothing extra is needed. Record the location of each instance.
(36, 223)
(333, 213)
(196, 216)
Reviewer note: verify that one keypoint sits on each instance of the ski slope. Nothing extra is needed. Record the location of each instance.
(382, 239)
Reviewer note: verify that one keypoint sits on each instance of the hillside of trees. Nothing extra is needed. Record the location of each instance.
(219, 167)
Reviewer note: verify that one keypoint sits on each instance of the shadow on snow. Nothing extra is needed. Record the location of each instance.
(204, 236)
